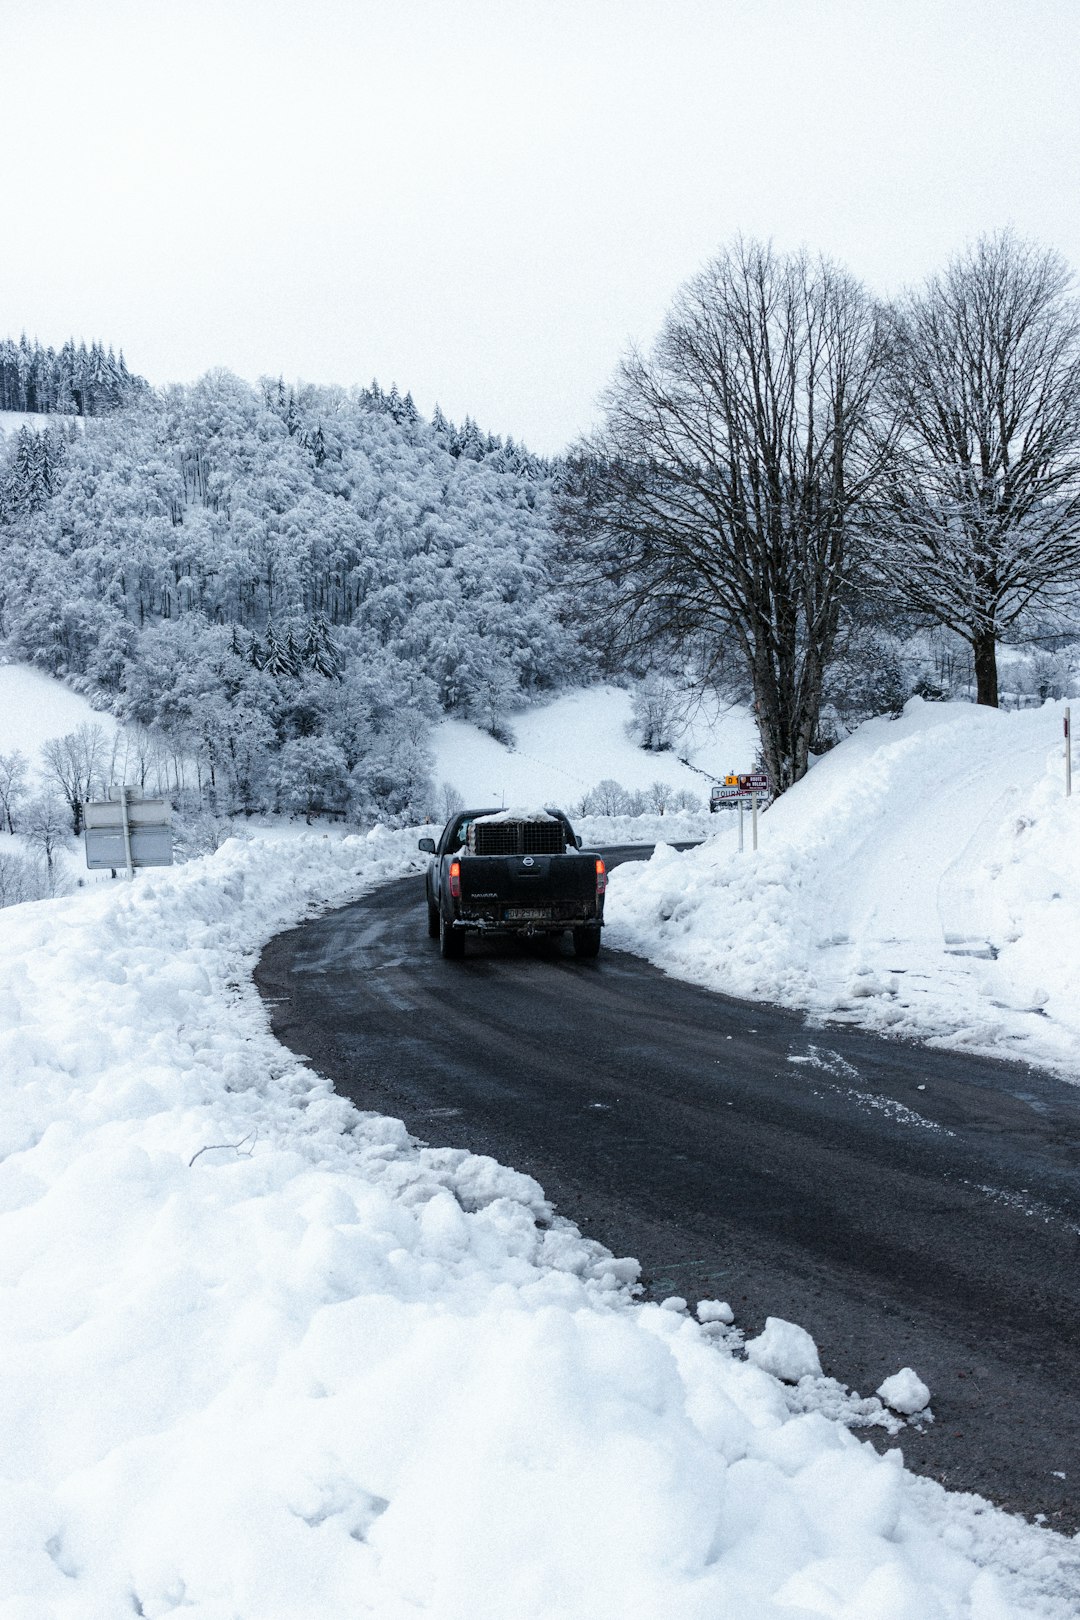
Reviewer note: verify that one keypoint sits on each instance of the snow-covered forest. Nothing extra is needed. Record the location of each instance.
(812, 503)
(278, 590)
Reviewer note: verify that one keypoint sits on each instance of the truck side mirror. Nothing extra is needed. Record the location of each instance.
(577, 840)
(427, 845)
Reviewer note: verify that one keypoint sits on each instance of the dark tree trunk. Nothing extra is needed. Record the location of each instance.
(984, 646)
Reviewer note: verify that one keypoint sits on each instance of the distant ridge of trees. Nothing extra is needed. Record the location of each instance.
(72, 381)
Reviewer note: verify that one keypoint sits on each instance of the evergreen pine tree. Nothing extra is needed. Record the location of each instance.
(272, 651)
(440, 426)
(280, 656)
(320, 653)
(291, 651)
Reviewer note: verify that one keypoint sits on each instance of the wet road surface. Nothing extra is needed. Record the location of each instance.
(908, 1207)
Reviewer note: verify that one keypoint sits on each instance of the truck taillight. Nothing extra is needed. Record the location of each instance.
(455, 879)
(601, 876)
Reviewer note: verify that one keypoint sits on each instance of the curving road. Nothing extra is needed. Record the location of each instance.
(908, 1207)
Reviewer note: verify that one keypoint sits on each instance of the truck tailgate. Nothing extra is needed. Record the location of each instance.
(528, 880)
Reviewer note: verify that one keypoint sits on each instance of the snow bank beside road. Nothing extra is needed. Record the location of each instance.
(266, 1357)
(923, 880)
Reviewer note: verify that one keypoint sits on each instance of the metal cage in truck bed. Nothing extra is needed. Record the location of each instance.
(517, 837)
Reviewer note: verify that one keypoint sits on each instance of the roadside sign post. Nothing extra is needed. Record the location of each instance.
(127, 832)
(1068, 752)
(736, 790)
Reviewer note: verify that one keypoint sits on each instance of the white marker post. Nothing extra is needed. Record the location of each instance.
(740, 827)
(1068, 752)
(753, 815)
(127, 833)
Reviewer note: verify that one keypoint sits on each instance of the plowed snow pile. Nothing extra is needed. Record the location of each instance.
(924, 880)
(264, 1356)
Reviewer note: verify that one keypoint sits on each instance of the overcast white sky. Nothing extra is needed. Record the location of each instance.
(485, 200)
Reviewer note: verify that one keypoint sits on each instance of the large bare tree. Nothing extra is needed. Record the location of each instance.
(982, 504)
(74, 764)
(718, 496)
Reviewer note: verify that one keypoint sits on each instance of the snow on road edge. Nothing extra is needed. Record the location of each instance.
(266, 1356)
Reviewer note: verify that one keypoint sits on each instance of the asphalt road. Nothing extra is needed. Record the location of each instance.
(908, 1207)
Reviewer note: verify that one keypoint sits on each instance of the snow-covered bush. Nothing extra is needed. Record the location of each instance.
(47, 829)
(866, 677)
(310, 775)
(20, 878)
(656, 713)
(1043, 675)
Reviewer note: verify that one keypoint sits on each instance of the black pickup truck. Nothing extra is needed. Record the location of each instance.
(513, 872)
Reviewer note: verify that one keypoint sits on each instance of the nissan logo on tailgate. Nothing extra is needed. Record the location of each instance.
(527, 861)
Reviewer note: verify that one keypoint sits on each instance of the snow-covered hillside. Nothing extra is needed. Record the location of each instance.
(923, 880)
(565, 747)
(265, 1357)
(34, 708)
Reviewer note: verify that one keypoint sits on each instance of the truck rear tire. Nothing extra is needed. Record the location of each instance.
(451, 943)
(432, 921)
(586, 942)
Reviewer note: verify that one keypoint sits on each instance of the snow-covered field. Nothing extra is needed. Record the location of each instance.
(924, 880)
(35, 708)
(564, 748)
(267, 1357)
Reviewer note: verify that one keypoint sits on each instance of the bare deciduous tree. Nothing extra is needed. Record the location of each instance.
(684, 799)
(607, 798)
(13, 787)
(718, 496)
(982, 503)
(448, 801)
(655, 714)
(47, 830)
(74, 763)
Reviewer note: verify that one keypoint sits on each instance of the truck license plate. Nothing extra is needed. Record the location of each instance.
(526, 914)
